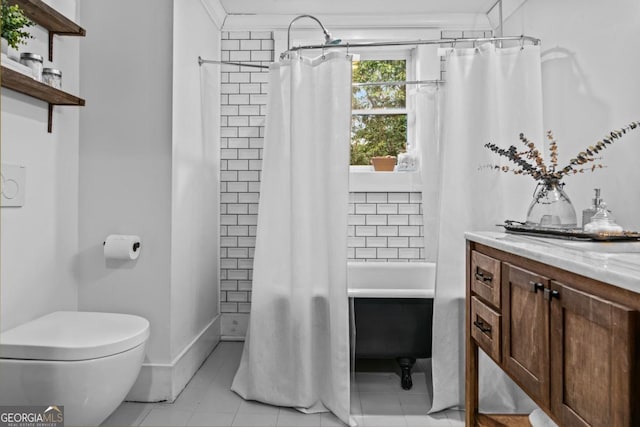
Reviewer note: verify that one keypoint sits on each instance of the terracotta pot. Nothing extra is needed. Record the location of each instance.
(383, 164)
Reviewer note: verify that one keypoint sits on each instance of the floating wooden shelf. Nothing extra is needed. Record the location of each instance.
(25, 84)
(49, 18)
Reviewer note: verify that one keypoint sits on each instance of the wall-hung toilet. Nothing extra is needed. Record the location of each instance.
(85, 361)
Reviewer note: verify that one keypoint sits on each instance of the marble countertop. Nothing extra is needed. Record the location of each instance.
(616, 263)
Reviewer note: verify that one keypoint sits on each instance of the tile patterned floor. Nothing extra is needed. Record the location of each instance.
(377, 400)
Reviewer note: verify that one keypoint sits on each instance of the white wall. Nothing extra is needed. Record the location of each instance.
(39, 240)
(125, 160)
(144, 169)
(590, 81)
(195, 175)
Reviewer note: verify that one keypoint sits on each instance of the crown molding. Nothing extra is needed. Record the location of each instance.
(448, 21)
(216, 12)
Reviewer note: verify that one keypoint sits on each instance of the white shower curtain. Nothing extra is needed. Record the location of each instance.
(296, 352)
(492, 96)
(426, 102)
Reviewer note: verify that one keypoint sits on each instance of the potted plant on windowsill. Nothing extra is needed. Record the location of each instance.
(13, 34)
(383, 164)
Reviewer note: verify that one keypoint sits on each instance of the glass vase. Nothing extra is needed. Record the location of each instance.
(551, 207)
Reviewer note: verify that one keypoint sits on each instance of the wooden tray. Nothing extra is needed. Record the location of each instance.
(517, 227)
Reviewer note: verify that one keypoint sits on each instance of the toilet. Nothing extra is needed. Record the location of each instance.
(85, 361)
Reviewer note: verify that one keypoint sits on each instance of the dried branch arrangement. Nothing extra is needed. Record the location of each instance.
(530, 161)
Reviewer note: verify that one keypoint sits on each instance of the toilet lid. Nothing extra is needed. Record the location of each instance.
(74, 335)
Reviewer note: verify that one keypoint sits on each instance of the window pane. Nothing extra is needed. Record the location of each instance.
(383, 96)
(377, 135)
(379, 96)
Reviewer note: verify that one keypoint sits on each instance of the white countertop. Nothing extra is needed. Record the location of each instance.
(616, 263)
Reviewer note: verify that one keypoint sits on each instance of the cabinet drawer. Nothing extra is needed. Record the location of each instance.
(485, 278)
(485, 328)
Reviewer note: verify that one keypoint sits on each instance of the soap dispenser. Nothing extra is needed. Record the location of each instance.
(588, 213)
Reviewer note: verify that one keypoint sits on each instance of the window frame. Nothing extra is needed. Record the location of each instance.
(385, 53)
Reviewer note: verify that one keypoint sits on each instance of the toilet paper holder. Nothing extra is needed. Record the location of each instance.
(136, 245)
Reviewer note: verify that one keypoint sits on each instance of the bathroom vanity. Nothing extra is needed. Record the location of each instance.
(560, 317)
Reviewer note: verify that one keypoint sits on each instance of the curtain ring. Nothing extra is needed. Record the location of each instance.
(521, 42)
(323, 57)
(347, 50)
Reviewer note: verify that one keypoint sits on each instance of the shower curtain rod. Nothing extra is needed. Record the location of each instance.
(399, 82)
(451, 41)
(241, 64)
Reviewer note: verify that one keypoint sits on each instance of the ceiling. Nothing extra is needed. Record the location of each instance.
(354, 7)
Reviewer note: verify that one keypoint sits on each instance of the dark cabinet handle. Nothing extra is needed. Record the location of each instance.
(480, 276)
(480, 325)
(550, 294)
(536, 286)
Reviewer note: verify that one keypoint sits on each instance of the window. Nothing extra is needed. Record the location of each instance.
(379, 106)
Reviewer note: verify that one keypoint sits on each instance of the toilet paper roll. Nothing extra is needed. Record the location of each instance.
(121, 247)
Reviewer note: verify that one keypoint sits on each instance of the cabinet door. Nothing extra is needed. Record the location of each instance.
(526, 330)
(593, 360)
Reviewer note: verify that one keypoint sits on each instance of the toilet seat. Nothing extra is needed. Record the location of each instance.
(74, 335)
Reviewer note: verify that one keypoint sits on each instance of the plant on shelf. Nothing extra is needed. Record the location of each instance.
(13, 23)
(551, 207)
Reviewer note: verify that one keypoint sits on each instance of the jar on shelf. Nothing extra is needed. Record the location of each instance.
(34, 62)
(52, 77)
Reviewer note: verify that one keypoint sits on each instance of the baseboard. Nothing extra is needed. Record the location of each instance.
(234, 326)
(159, 382)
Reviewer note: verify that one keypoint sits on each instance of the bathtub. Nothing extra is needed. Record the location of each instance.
(391, 279)
(393, 311)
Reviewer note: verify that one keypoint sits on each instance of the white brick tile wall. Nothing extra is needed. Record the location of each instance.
(377, 197)
(387, 209)
(390, 230)
(262, 35)
(398, 198)
(243, 101)
(365, 208)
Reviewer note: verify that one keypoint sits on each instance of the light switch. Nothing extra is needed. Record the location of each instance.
(12, 185)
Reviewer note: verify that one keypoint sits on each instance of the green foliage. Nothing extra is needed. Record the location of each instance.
(13, 22)
(376, 134)
(387, 96)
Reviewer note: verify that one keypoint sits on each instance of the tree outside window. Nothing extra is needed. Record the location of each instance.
(379, 114)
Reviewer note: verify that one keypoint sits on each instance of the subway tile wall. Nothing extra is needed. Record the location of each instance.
(385, 227)
(243, 103)
(382, 226)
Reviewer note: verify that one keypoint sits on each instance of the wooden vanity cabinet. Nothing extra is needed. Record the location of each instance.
(593, 359)
(526, 330)
(568, 341)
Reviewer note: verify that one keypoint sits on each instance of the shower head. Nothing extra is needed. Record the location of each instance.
(328, 39)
